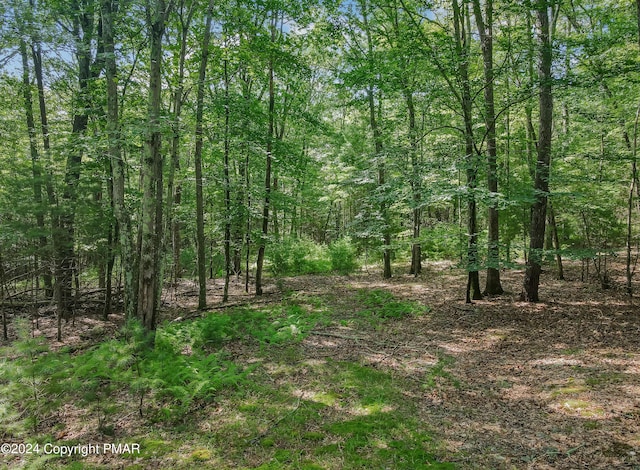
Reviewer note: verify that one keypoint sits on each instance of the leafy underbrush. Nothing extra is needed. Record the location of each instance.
(293, 256)
(381, 304)
(197, 402)
(184, 370)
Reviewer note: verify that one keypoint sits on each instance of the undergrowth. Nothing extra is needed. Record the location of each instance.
(293, 256)
(184, 371)
(278, 410)
(381, 304)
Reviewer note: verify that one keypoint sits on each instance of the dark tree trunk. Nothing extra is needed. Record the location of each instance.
(267, 177)
(202, 266)
(485, 28)
(174, 188)
(541, 183)
(5, 328)
(36, 169)
(416, 213)
(46, 146)
(227, 188)
(377, 141)
(473, 291)
(123, 232)
(83, 30)
(556, 241)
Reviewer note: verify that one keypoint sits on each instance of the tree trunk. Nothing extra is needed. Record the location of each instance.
(556, 241)
(46, 146)
(541, 183)
(36, 169)
(416, 213)
(227, 188)
(485, 28)
(632, 188)
(5, 328)
(377, 140)
(473, 291)
(124, 232)
(202, 266)
(174, 189)
(267, 177)
(83, 32)
(149, 280)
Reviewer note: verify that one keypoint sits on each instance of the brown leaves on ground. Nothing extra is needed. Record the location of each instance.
(554, 384)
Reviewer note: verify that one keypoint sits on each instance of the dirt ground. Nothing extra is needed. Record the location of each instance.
(554, 384)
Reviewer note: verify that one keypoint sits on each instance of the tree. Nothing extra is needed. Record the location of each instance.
(269, 156)
(484, 23)
(200, 241)
(149, 281)
(541, 183)
(462, 48)
(185, 11)
(109, 9)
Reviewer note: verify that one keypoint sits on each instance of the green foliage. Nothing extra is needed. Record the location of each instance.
(293, 256)
(298, 256)
(174, 379)
(360, 434)
(170, 379)
(29, 384)
(344, 256)
(442, 241)
(277, 326)
(382, 304)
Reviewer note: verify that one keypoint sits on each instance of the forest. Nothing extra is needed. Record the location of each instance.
(319, 234)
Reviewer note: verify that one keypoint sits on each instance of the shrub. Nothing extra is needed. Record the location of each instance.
(298, 256)
(382, 304)
(29, 389)
(343, 256)
(442, 241)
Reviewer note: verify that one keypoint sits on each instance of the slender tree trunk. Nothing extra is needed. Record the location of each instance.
(634, 183)
(174, 189)
(111, 259)
(244, 196)
(227, 188)
(632, 188)
(267, 177)
(247, 186)
(416, 213)
(36, 168)
(149, 280)
(556, 241)
(377, 140)
(51, 195)
(541, 183)
(5, 329)
(202, 266)
(485, 28)
(124, 231)
(46, 147)
(473, 291)
(83, 33)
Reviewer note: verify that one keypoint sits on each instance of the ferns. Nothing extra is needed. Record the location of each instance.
(186, 368)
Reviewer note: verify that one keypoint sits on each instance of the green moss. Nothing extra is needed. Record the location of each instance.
(200, 455)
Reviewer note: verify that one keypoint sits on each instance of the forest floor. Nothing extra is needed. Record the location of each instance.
(401, 373)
